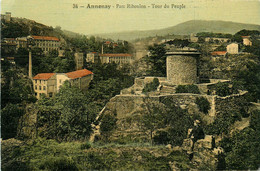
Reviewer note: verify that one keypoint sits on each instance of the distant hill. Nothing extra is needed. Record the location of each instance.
(193, 26)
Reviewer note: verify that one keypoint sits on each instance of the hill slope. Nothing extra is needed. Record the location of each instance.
(193, 26)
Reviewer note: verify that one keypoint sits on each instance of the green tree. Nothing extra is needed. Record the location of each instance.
(10, 115)
(157, 59)
(152, 118)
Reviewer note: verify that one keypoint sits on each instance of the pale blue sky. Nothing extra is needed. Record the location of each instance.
(92, 21)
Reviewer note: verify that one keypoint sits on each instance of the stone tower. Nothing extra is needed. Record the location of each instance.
(78, 60)
(182, 67)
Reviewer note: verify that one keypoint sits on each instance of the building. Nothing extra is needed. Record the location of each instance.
(92, 57)
(232, 48)
(44, 83)
(50, 83)
(46, 43)
(216, 39)
(219, 53)
(78, 60)
(118, 58)
(6, 17)
(181, 67)
(247, 41)
(21, 42)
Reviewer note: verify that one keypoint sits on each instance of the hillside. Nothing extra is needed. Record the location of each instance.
(192, 26)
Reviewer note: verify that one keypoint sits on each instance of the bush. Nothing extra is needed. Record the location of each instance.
(222, 89)
(161, 137)
(151, 86)
(60, 163)
(187, 89)
(86, 145)
(203, 104)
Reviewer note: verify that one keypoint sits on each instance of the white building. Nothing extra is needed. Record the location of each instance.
(232, 48)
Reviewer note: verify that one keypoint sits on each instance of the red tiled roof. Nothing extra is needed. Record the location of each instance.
(245, 36)
(107, 42)
(218, 53)
(43, 76)
(78, 73)
(115, 54)
(45, 38)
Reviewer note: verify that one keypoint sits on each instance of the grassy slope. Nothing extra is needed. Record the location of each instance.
(46, 154)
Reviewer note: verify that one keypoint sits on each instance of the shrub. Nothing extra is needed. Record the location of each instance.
(187, 89)
(86, 145)
(60, 163)
(151, 86)
(161, 137)
(203, 104)
(222, 89)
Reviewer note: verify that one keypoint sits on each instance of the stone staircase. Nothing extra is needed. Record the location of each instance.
(167, 90)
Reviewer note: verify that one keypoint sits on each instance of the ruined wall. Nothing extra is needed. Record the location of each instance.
(182, 69)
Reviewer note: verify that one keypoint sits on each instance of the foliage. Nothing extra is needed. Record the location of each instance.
(179, 42)
(187, 89)
(67, 116)
(60, 163)
(231, 111)
(10, 115)
(86, 145)
(203, 104)
(222, 89)
(108, 124)
(153, 117)
(211, 34)
(151, 86)
(43, 154)
(244, 148)
(157, 59)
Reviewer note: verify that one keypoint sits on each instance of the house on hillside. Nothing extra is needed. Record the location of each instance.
(50, 83)
(46, 43)
(44, 83)
(219, 53)
(247, 41)
(232, 48)
(118, 58)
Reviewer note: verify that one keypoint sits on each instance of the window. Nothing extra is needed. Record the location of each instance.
(35, 87)
(35, 81)
(40, 81)
(50, 94)
(60, 81)
(36, 94)
(44, 88)
(40, 87)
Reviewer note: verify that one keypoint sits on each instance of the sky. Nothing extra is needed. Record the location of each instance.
(94, 21)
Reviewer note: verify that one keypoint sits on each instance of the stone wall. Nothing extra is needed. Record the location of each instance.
(182, 69)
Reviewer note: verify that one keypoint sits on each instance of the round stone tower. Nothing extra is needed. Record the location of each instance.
(182, 67)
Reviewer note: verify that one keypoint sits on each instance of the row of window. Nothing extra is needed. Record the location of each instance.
(40, 81)
(40, 87)
(48, 44)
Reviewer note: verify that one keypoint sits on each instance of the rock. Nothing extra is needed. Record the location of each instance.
(169, 146)
(173, 166)
(177, 148)
(207, 143)
(187, 145)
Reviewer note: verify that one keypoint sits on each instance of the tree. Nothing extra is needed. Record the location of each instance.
(152, 118)
(10, 115)
(157, 59)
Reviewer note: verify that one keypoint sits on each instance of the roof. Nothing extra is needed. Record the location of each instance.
(78, 73)
(115, 54)
(45, 38)
(245, 36)
(219, 53)
(43, 76)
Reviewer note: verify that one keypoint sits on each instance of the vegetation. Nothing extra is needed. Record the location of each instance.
(244, 146)
(157, 59)
(108, 124)
(211, 34)
(203, 104)
(222, 89)
(187, 89)
(42, 154)
(151, 86)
